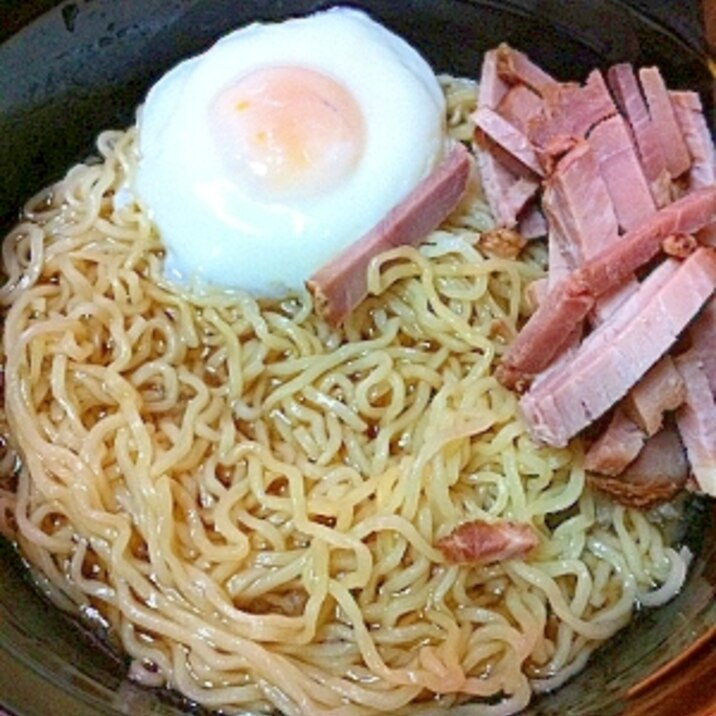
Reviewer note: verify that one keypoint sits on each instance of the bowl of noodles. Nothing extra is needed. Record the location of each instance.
(216, 503)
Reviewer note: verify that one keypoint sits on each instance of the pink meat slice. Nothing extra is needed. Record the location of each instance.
(619, 445)
(515, 68)
(532, 224)
(568, 303)
(624, 85)
(578, 205)
(520, 106)
(517, 153)
(660, 391)
(656, 476)
(341, 284)
(613, 358)
(703, 340)
(481, 542)
(696, 421)
(492, 87)
(690, 116)
(622, 173)
(661, 110)
(506, 194)
(570, 113)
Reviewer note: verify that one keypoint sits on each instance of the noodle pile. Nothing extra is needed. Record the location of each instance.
(249, 501)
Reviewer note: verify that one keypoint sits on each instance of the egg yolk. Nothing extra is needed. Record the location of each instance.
(288, 132)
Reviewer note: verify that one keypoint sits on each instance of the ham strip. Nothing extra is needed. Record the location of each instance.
(515, 68)
(492, 87)
(481, 542)
(578, 205)
(569, 302)
(696, 421)
(570, 112)
(618, 446)
(341, 284)
(661, 390)
(622, 172)
(612, 359)
(506, 194)
(690, 116)
(520, 106)
(676, 155)
(692, 122)
(657, 475)
(625, 87)
(516, 152)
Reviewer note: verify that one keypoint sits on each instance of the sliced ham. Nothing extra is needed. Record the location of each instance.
(690, 116)
(481, 542)
(492, 87)
(578, 205)
(694, 128)
(617, 447)
(341, 284)
(687, 215)
(703, 339)
(656, 476)
(569, 302)
(661, 110)
(660, 391)
(624, 85)
(506, 194)
(622, 173)
(532, 224)
(515, 149)
(515, 68)
(520, 106)
(613, 358)
(570, 112)
(696, 421)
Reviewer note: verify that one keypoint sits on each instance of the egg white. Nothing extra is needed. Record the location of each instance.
(218, 233)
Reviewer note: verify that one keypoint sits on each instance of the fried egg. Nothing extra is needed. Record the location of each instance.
(282, 144)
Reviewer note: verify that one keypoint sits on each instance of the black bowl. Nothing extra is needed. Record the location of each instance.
(69, 70)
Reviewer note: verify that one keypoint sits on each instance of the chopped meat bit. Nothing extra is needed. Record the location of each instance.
(676, 154)
(341, 284)
(546, 334)
(481, 542)
(514, 149)
(503, 243)
(492, 87)
(692, 122)
(656, 476)
(618, 446)
(506, 193)
(614, 357)
(532, 223)
(622, 173)
(625, 87)
(661, 390)
(679, 245)
(516, 68)
(578, 205)
(520, 106)
(571, 111)
(696, 421)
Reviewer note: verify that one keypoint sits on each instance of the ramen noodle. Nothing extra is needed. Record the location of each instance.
(248, 501)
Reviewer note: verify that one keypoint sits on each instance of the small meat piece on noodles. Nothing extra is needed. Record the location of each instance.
(481, 542)
(656, 476)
